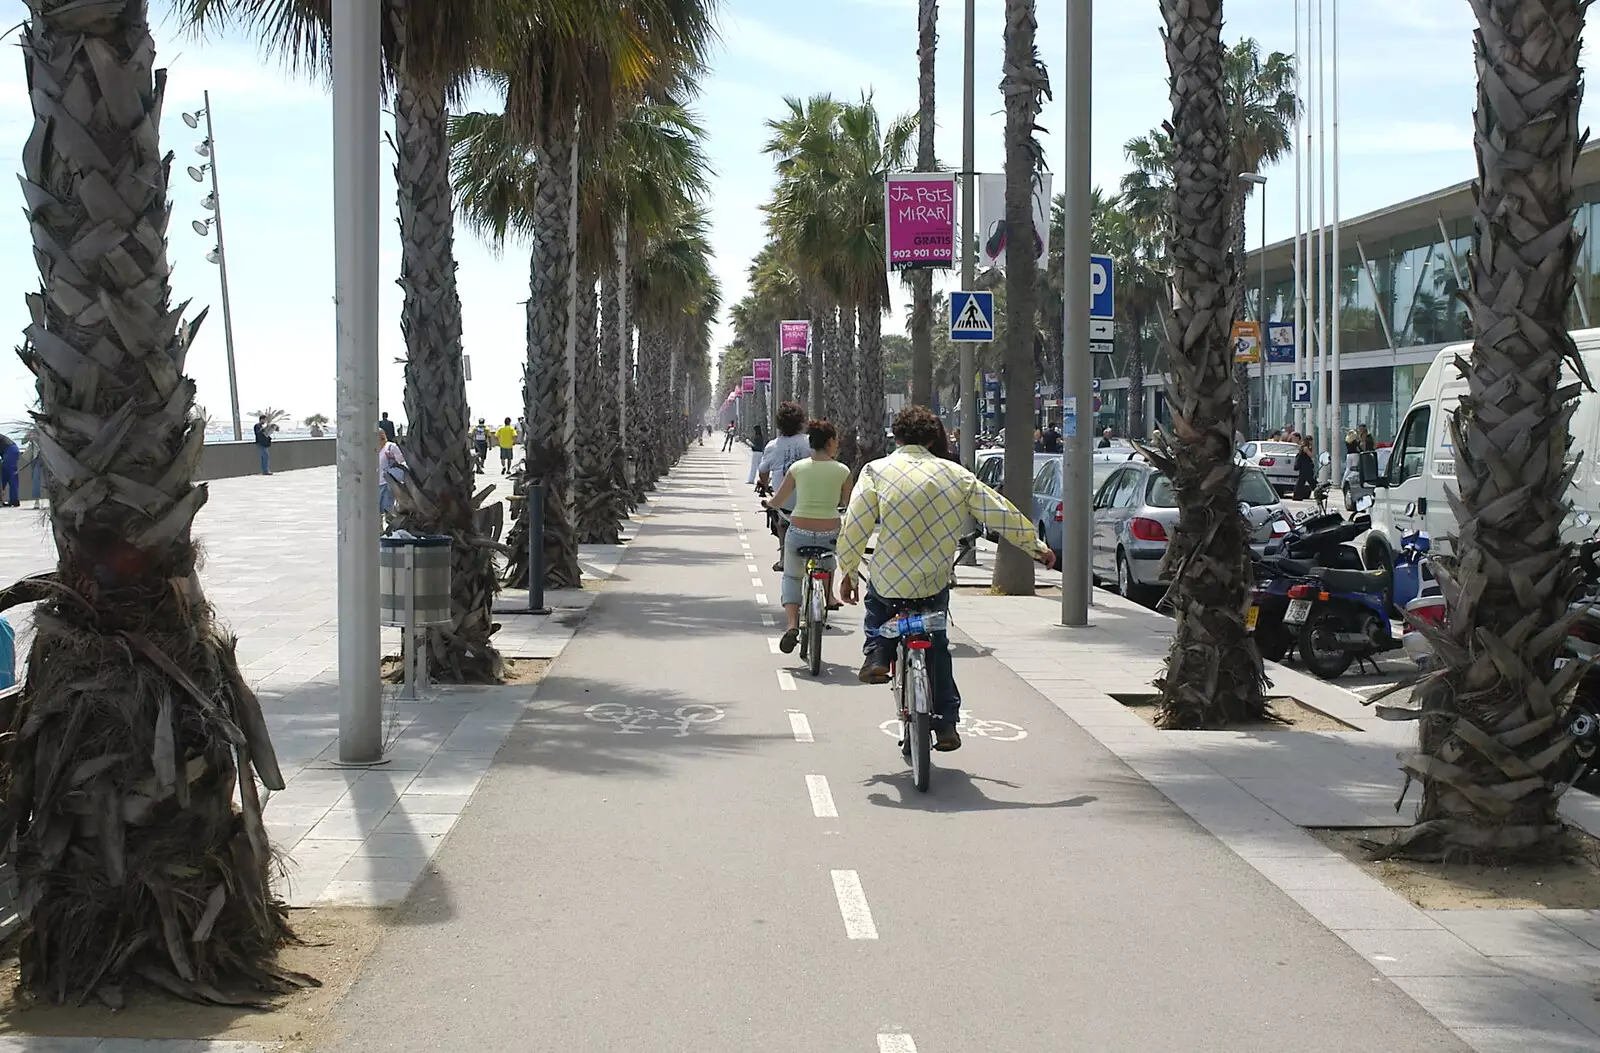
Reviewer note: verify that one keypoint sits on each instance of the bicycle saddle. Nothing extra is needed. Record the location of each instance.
(813, 551)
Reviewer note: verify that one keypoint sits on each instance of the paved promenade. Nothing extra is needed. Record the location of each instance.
(681, 841)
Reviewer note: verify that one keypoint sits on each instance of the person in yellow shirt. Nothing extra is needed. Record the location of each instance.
(917, 502)
(506, 436)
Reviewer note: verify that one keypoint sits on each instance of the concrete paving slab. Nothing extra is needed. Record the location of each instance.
(1507, 933)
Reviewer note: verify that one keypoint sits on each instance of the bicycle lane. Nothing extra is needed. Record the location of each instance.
(1042, 897)
(642, 867)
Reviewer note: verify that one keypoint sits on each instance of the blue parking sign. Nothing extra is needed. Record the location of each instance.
(1300, 393)
(1102, 288)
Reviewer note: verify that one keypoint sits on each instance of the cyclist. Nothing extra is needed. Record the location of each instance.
(819, 485)
(916, 502)
(480, 443)
(790, 446)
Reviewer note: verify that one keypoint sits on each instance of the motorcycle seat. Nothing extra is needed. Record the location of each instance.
(1292, 568)
(1353, 580)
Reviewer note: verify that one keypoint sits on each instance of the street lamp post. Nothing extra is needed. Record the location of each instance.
(1077, 380)
(357, 75)
(1258, 180)
(219, 255)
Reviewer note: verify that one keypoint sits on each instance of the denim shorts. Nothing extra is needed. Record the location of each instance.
(794, 564)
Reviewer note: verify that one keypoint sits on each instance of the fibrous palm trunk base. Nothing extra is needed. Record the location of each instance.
(591, 477)
(122, 760)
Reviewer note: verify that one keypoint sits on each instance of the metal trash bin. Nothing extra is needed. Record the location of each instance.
(414, 580)
(413, 593)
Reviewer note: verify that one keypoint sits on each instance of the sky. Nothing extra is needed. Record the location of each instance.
(1406, 104)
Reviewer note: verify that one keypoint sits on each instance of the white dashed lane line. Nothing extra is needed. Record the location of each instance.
(896, 1043)
(767, 619)
(821, 797)
(761, 598)
(772, 645)
(785, 680)
(800, 726)
(853, 906)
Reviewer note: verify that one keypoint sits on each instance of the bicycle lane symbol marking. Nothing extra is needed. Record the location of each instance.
(994, 730)
(636, 720)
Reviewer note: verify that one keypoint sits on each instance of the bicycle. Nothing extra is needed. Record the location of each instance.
(814, 605)
(913, 630)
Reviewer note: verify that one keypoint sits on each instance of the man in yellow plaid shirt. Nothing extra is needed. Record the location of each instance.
(918, 502)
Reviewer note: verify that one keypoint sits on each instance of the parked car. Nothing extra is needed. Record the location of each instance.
(1274, 458)
(1048, 507)
(1135, 510)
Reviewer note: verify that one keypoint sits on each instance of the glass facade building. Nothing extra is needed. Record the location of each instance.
(1400, 282)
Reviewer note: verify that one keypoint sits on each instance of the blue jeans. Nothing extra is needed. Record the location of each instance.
(10, 477)
(266, 459)
(794, 564)
(941, 671)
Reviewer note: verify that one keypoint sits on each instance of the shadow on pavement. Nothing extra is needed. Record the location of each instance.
(954, 790)
(590, 727)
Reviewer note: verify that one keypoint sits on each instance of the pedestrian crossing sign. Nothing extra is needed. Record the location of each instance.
(972, 316)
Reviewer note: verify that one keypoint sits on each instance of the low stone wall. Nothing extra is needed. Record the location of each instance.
(231, 460)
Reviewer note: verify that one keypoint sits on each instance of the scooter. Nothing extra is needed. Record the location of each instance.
(1288, 561)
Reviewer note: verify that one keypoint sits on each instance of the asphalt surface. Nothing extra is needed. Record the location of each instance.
(645, 876)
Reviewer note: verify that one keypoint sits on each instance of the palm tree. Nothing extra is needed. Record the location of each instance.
(922, 280)
(1025, 84)
(1493, 748)
(867, 153)
(1141, 288)
(1213, 674)
(135, 729)
(652, 163)
(828, 215)
(568, 73)
(431, 48)
(802, 224)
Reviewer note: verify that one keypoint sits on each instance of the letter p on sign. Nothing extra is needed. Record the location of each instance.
(1102, 292)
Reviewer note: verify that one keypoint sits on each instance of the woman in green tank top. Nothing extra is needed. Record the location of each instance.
(821, 486)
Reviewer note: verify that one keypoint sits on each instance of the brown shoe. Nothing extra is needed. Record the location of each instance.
(873, 673)
(945, 738)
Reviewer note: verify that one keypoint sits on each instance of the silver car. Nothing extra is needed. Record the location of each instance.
(1273, 457)
(1135, 511)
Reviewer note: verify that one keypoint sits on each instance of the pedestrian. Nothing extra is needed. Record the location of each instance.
(758, 445)
(1038, 441)
(1105, 440)
(727, 439)
(522, 430)
(264, 443)
(10, 476)
(1052, 439)
(1364, 443)
(1305, 471)
(386, 426)
(391, 466)
(507, 436)
(35, 463)
(480, 443)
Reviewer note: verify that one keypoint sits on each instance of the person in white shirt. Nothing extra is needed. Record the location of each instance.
(782, 452)
(391, 466)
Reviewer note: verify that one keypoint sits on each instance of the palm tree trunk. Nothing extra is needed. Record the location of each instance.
(842, 379)
(1493, 745)
(591, 477)
(800, 370)
(825, 317)
(618, 502)
(870, 411)
(922, 280)
(438, 452)
(544, 383)
(135, 729)
(1213, 674)
(1013, 568)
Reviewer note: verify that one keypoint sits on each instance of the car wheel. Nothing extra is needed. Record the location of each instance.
(1127, 588)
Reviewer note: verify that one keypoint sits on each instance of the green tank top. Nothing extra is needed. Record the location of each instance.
(817, 486)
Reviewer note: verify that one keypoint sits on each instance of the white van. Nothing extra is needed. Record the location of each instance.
(1410, 491)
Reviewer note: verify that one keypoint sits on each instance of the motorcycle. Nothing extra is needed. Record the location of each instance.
(1294, 551)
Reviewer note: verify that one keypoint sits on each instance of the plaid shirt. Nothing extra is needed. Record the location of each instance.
(919, 502)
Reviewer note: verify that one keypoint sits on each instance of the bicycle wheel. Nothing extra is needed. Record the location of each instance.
(813, 626)
(921, 730)
(805, 627)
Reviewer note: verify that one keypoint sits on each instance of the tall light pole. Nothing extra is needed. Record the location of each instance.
(1260, 181)
(356, 77)
(1337, 395)
(969, 220)
(1299, 263)
(219, 255)
(1077, 380)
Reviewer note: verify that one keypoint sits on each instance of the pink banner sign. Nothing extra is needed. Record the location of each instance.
(920, 213)
(794, 338)
(749, 385)
(763, 370)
